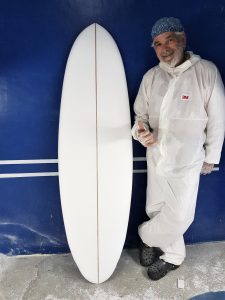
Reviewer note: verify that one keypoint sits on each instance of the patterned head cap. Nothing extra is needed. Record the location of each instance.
(167, 24)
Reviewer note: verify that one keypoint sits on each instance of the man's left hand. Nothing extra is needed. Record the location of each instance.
(206, 168)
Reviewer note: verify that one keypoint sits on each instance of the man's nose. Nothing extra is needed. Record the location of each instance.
(166, 49)
(165, 46)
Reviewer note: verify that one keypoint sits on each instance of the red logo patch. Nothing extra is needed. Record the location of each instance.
(185, 97)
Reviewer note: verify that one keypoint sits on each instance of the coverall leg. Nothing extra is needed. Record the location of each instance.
(170, 205)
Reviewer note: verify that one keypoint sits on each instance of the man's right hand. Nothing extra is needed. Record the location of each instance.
(145, 137)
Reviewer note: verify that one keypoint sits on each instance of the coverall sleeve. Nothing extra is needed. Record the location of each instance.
(141, 108)
(216, 122)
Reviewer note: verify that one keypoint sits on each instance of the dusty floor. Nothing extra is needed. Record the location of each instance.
(56, 277)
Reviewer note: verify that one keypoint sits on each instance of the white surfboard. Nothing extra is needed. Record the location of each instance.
(95, 153)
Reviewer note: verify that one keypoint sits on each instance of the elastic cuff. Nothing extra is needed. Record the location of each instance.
(172, 260)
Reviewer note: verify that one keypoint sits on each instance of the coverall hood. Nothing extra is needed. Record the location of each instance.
(183, 67)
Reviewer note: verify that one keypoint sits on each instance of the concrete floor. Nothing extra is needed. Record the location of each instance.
(56, 277)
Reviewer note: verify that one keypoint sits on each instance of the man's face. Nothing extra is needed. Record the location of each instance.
(169, 48)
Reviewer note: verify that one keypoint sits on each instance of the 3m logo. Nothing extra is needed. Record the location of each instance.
(185, 97)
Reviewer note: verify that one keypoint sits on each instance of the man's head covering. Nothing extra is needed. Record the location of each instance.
(167, 24)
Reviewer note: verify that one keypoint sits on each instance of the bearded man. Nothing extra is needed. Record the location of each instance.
(180, 119)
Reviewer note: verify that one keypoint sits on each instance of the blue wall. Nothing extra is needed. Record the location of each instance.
(35, 40)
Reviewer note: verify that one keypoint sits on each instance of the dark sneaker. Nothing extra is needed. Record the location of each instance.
(148, 254)
(160, 268)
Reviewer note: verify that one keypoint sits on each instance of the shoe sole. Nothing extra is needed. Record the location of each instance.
(155, 278)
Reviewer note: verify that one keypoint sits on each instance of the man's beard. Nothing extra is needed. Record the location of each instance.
(177, 58)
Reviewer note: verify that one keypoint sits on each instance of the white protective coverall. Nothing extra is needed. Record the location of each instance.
(185, 107)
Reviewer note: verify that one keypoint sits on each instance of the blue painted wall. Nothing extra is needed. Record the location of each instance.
(35, 40)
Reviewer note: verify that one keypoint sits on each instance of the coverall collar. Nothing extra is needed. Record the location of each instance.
(181, 68)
